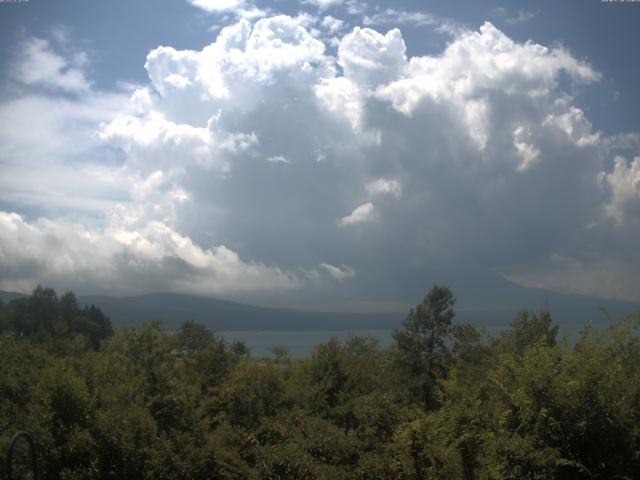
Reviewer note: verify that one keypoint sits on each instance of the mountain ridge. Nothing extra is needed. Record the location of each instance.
(570, 311)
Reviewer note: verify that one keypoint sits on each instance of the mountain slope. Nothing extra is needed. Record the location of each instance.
(6, 297)
(571, 312)
(222, 315)
(495, 311)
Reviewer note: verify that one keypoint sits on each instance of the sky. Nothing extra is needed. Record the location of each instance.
(328, 152)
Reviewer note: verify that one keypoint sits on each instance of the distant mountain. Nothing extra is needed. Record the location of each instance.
(6, 297)
(223, 315)
(571, 312)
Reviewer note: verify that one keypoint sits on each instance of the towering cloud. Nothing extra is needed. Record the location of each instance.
(249, 163)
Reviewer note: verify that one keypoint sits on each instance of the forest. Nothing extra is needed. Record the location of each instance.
(444, 401)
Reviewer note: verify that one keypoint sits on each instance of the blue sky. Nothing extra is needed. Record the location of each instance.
(320, 151)
(121, 34)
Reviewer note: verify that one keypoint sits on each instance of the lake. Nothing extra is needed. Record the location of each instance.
(302, 343)
(299, 343)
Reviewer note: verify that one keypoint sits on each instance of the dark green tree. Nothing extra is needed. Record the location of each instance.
(424, 341)
(527, 329)
(327, 375)
(194, 336)
(240, 349)
(93, 324)
(467, 347)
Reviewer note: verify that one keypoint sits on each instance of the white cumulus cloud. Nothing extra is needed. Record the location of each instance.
(324, 4)
(331, 24)
(383, 186)
(362, 214)
(624, 182)
(37, 63)
(476, 152)
(218, 5)
(371, 59)
(118, 259)
(339, 273)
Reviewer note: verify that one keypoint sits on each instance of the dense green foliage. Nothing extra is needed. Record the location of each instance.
(444, 401)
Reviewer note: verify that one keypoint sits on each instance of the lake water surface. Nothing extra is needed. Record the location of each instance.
(302, 343)
(299, 343)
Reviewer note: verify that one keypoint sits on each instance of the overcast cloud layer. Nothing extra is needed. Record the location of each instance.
(299, 154)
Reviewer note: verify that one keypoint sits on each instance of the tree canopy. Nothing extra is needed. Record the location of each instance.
(444, 401)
